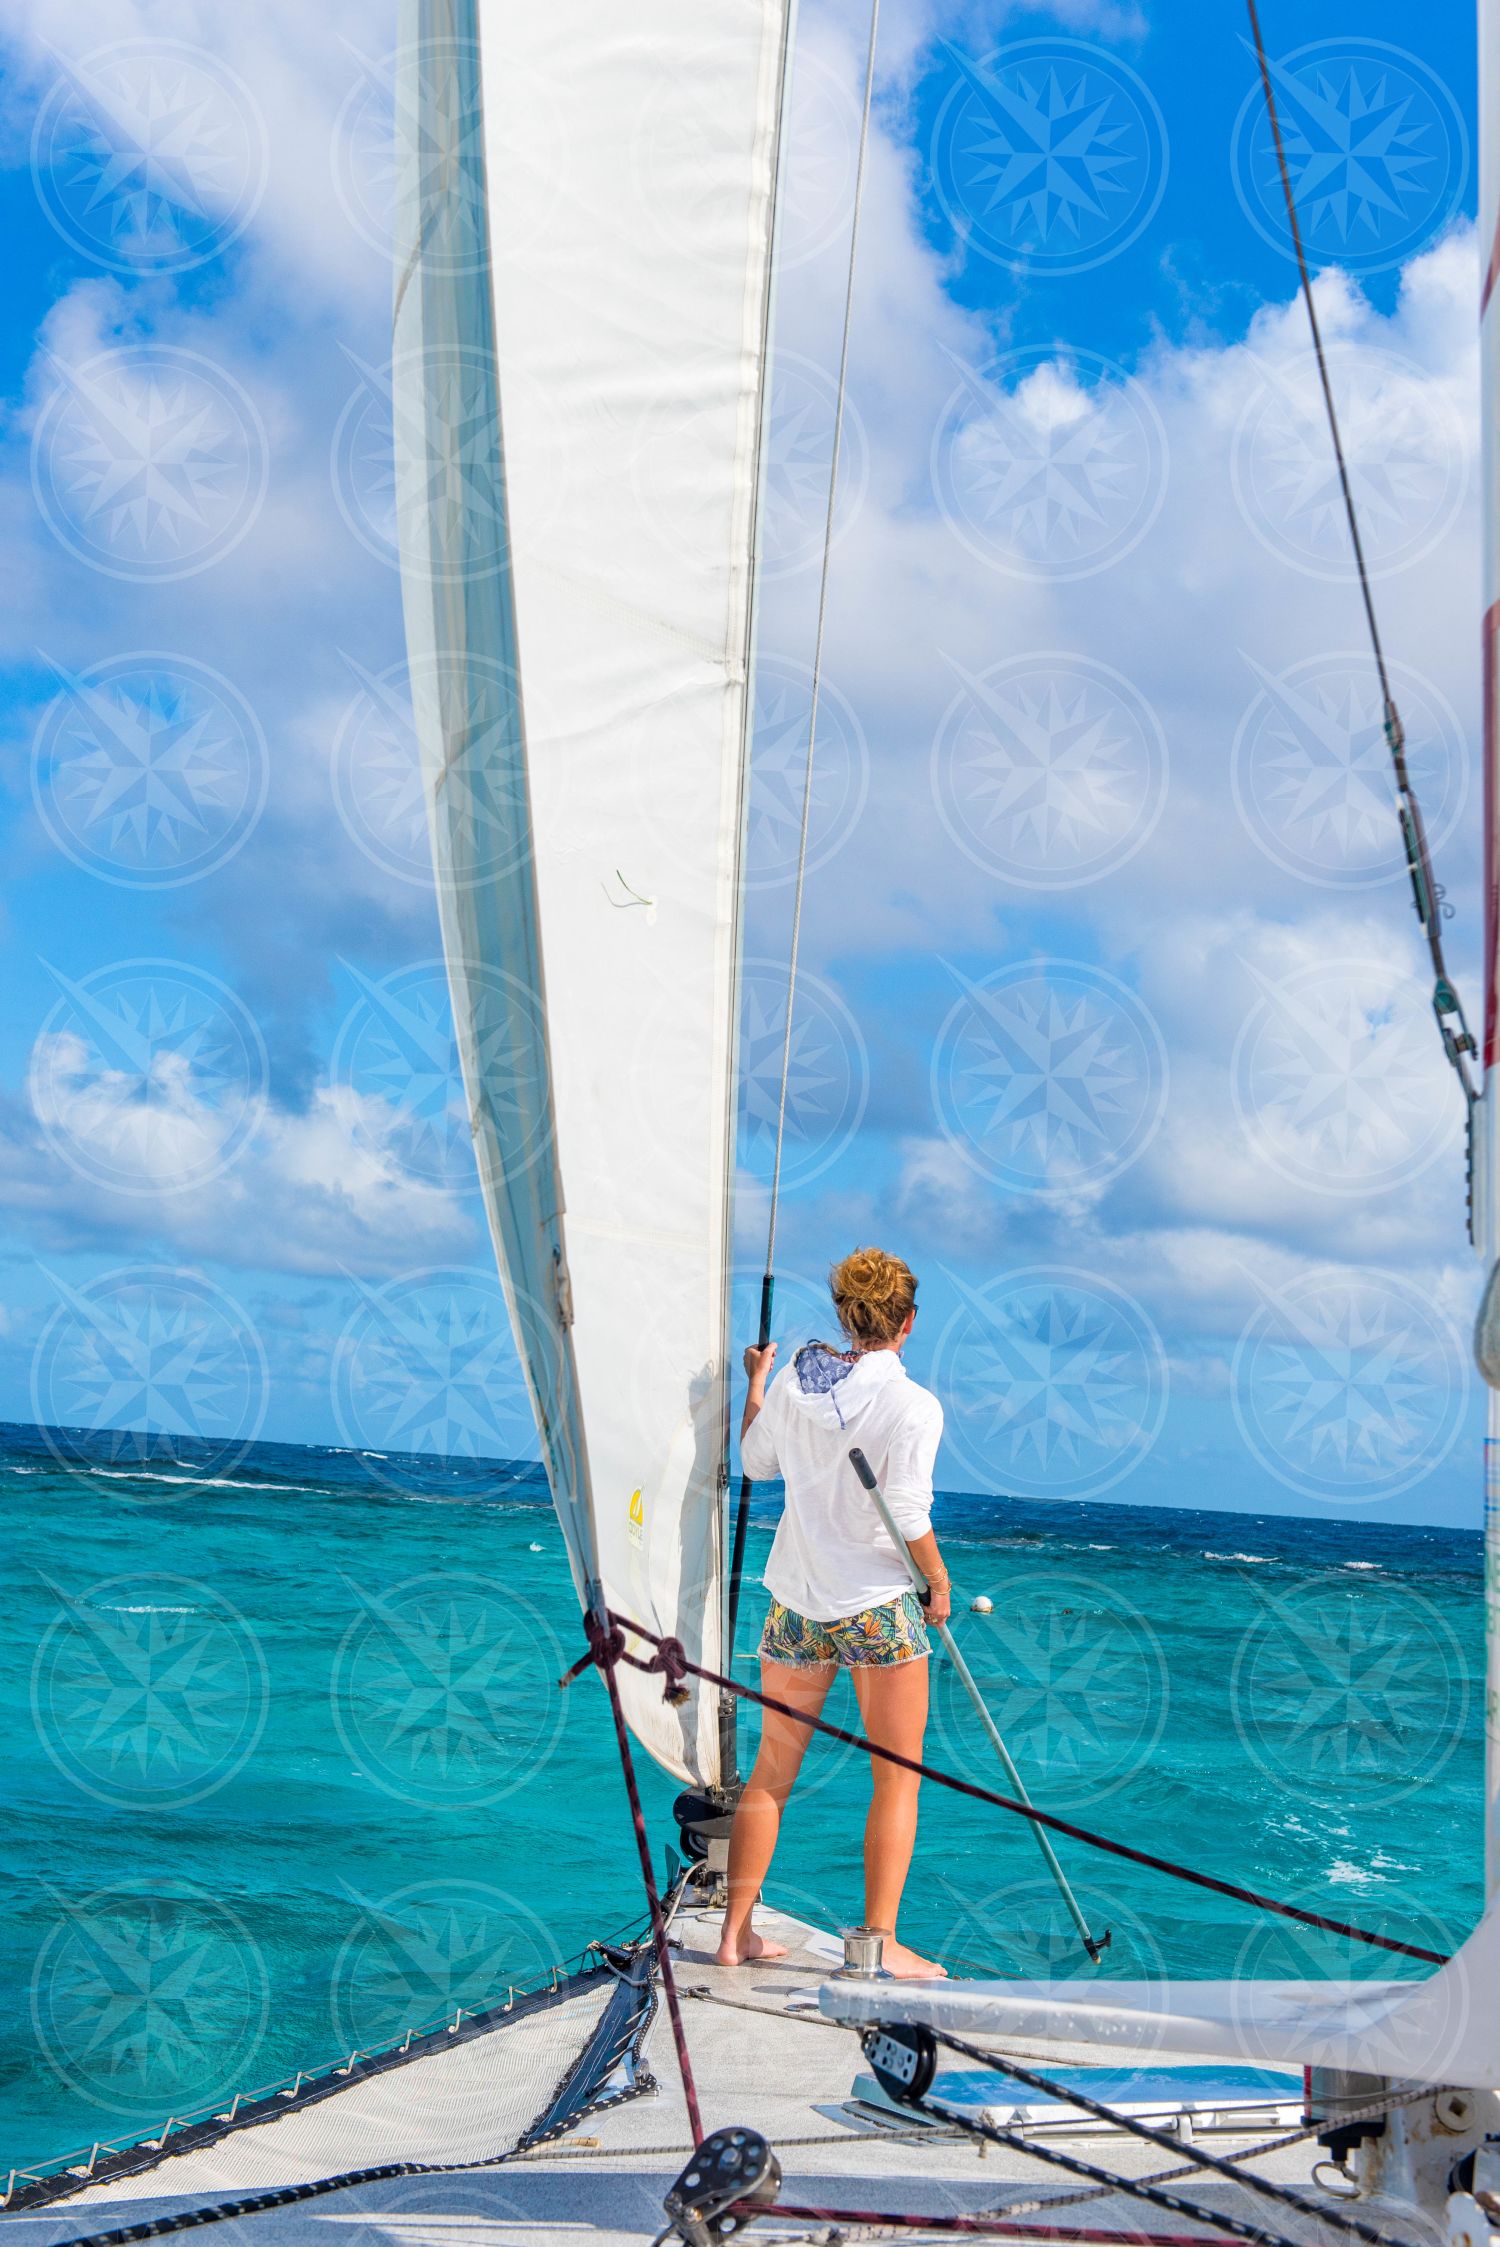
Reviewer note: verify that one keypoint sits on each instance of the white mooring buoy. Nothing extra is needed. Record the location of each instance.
(982, 1606)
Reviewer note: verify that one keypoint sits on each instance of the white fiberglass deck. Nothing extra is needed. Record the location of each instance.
(784, 2068)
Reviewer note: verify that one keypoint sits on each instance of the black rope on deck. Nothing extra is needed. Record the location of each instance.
(675, 1666)
(1194, 2156)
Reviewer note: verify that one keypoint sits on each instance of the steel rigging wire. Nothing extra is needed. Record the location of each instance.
(1427, 895)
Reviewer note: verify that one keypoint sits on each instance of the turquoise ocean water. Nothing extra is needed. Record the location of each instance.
(291, 1774)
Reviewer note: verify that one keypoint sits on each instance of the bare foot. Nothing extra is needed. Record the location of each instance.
(910, 1965)
(749, 1946)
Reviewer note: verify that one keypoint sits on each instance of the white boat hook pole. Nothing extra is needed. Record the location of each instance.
(1094, 1945)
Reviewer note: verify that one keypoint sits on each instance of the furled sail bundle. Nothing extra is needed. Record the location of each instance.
(585, 261)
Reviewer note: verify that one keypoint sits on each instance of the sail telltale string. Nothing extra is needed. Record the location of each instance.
(768, 1277)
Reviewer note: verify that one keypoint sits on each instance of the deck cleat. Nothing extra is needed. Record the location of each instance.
(903, 2055)
(732, 2175)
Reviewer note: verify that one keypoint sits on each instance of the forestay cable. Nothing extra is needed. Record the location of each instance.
(768, 1281)
(817, 664)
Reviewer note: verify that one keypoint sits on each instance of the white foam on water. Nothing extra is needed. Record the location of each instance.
(196, 1482)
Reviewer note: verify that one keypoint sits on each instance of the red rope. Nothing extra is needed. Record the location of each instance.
(677, 1666)
(607, 1647)
(993, 2227)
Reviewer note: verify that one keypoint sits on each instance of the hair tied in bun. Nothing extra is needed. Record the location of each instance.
(874, 1294)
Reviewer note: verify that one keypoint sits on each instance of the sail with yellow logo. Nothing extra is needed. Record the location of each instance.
(579, 373)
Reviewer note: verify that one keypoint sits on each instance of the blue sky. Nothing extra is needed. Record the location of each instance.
(1114, 1025)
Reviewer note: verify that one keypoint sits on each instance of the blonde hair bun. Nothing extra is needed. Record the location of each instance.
(874, 1295)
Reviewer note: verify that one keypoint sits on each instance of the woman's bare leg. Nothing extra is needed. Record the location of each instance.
(757, 1820)
(893, 1704)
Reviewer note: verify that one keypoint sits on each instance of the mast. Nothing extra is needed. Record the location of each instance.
(1487, 1214)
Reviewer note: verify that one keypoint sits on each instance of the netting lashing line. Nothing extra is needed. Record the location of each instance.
(1427, 895)
(672, 1664)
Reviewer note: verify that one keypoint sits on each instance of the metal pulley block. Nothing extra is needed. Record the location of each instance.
(732, 2175)
(903, 2056)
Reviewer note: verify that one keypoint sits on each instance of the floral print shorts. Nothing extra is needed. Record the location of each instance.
(874, 1639)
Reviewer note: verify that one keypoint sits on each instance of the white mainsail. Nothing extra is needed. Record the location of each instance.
(587, 201)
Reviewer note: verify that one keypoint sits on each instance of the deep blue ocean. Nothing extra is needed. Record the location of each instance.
(290, 1772)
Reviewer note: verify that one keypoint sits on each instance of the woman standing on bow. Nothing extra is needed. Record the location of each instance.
(841, 1597)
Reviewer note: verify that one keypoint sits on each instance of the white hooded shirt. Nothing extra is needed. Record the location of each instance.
(832, 1556)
